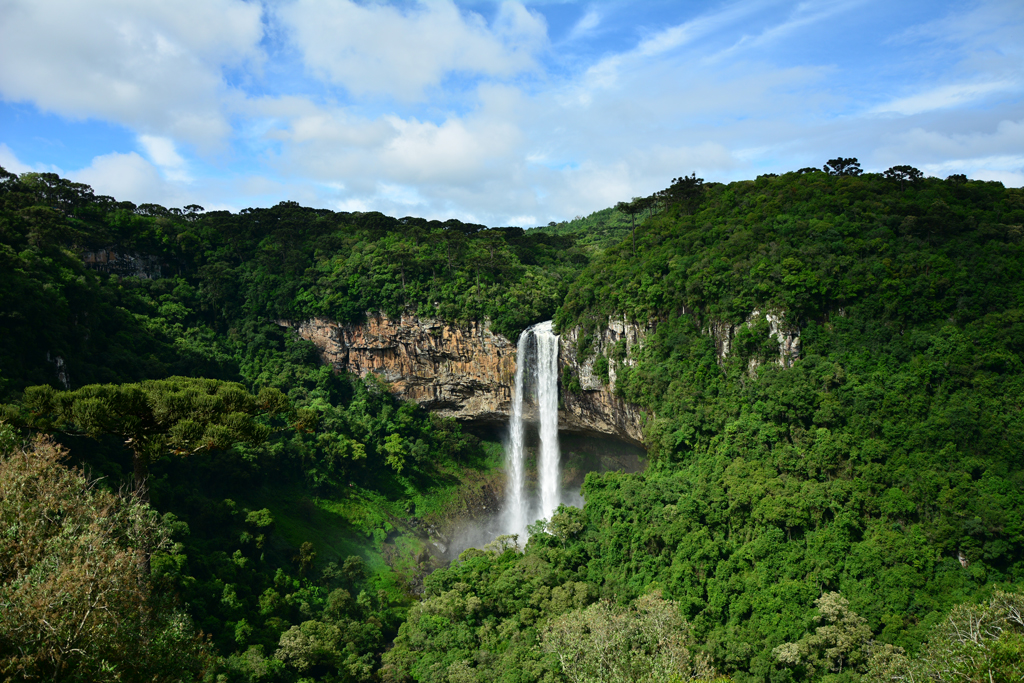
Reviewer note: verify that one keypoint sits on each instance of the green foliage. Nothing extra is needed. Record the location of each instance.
(648, 641)
(813, 245)
(179, 415)
(310, 494)
(881, 462)
(76, 603)
(601, 368)
(570, 382)
(840, 644)
(595, 233)
(973, 643)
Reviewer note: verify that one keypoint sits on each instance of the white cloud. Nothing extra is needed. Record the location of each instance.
(162, 152)
(1007, 178)
(1006, 168)
(943, 97)
(587, 23)
(129, 177)
(498, 139)
(155, 67)
(379, 49)
(1005, 140)
(804, 14)
(9, 160)
(660, 45)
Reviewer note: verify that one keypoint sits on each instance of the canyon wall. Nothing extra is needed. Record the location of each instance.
(595, 407)
(467, 371)
(460, 371)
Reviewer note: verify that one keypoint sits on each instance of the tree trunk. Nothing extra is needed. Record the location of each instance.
(140, 465)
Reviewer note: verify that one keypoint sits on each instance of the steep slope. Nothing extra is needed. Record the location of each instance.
(879, 457)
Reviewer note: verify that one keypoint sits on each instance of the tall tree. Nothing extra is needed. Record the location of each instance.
(76, 604)
(685, 192)
(843, 166)
(178, 415)
(631, 209)
(904, 175)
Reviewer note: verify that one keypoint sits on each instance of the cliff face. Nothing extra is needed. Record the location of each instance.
(465, 372)
(785, 335)
(124, 263)
(596, 408)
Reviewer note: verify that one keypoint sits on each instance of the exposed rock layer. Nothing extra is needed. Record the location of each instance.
(596, 408)
(465, 372)
(785, 335)
(124, 263)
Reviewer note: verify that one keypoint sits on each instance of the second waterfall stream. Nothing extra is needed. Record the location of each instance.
(536, 366)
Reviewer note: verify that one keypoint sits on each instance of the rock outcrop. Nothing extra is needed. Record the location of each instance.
(460, 371)
(787, 336)
(124, 263)
(595, 407)
(467, 372)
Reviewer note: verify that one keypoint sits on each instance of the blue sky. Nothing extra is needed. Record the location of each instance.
(504, 113)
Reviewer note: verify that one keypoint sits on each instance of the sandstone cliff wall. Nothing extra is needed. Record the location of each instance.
(465, 372)
(596, 408)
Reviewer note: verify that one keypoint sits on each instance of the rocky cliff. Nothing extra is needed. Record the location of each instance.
(460, 371)
(594, 407)
(124, 263)
(467, 371)
(785, 335)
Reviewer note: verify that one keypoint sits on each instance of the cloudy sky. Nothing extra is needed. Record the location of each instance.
(504, 113)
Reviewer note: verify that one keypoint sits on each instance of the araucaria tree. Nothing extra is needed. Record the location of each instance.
(178, 415)
(842, 166)
(904, 174)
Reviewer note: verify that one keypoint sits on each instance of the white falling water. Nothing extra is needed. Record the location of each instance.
(547, 409)
(544, 370)
(515, 448)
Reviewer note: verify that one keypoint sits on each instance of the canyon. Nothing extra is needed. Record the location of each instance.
(467, 372)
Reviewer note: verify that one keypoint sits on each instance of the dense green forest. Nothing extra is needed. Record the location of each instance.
(855, 513)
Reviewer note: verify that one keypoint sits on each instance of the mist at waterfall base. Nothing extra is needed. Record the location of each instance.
(544, 468)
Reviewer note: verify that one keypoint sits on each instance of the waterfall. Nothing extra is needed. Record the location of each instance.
(515, 505)
(547, 409)
(545, 376)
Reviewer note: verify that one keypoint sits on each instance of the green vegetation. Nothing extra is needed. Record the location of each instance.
(76, 602)
(295, 498)
(851, 511)
(595, 233)
(884, 464)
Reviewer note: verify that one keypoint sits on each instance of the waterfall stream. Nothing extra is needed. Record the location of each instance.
(516, 502)
(547, 409)
(543, 371)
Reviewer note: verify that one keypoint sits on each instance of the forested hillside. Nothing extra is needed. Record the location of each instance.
(317, 522)
(832, 517)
